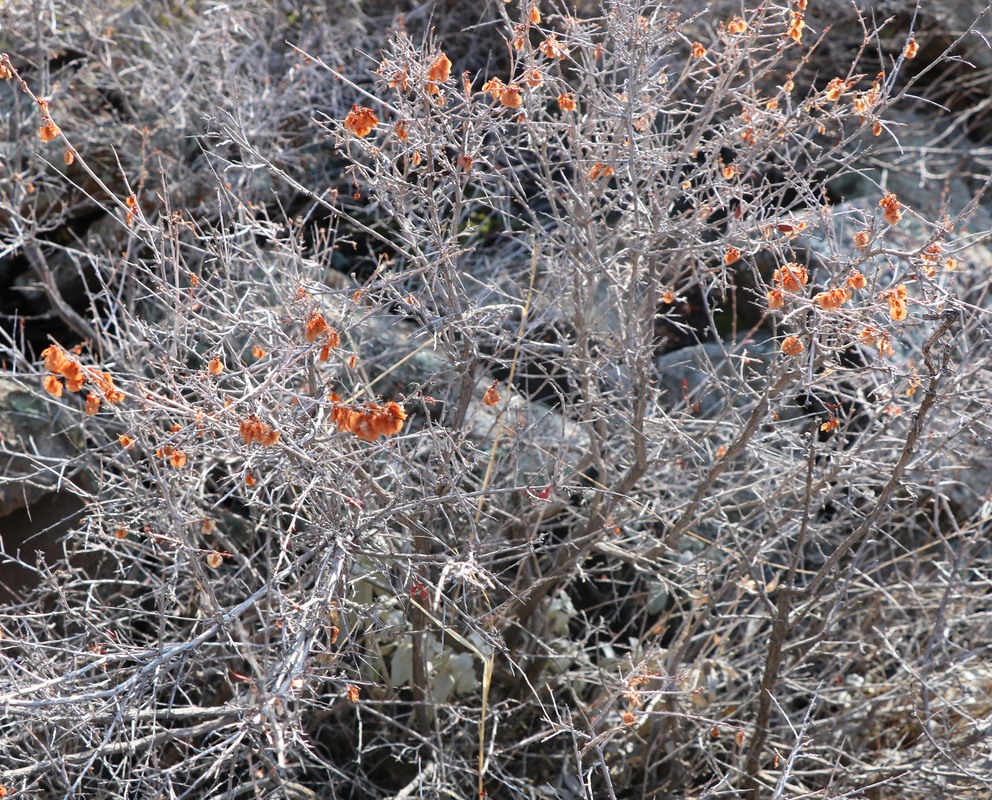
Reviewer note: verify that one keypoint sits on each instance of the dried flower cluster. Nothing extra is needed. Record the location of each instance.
(58, 362)
(508, 95)
(792, 277)
(49, 130)
(891, 209)
(177, 458)
(315, 327)
(736, 26)
(253, 430)
(834, 89)
(898, 307)
(438, 72)
(796, 24)
(370, 422)
(832, 299)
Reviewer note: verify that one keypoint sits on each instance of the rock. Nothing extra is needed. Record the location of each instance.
(34, 516)
(31, 441)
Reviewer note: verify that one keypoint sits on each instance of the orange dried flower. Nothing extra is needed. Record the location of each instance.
(465, 162)
(534, 78)
(131, 201)
(402, 130)
(791, 277)
(857, 280)
(831, 424)
(510, 96)
(491, 396)
(126, 441)
(494, 87)
(92, 404)
(951, 263)
(68, 157)
(732, 255)
(71, 371)
(257, 352)
(795, 29)
(736, 26)
(698, 51)
(120, 533)
(54, 357)
(57, 361)
(177, 459)
(535, 14)
(729, 171)
(552, 48)
(898, 308)
(832, 298)
(599, 170)
(834, 89)
(105, 383)
(400, 78)
(361, 121)
(869, 335)
(49, 130)
(315, 326)
(911, 49)
(52, 385)
(791, 346)
(566, 102)
(776, 299)
(214, 559)
(353, 693)
(861, 240)
(668, 297)
(250, 480)
(440, 70)
(252, 429)
(370, 423)
(216, 366)
(891, 209)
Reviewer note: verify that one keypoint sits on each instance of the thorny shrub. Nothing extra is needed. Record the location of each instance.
(386, 492)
